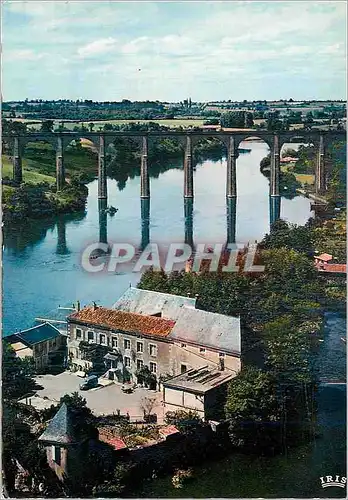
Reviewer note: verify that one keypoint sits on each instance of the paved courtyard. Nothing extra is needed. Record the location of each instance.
(102, 400)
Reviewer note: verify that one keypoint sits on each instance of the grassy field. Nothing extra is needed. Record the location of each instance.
(302, 178)
(100, 123)
(29, 175)
(305, 178)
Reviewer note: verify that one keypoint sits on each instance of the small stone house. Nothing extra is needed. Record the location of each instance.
(64, 446)
(42, 343)
(201, 390)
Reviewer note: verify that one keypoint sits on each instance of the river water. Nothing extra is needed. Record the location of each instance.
(42, 269)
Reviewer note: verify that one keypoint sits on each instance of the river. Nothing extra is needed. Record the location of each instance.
(42, 269)
(42, 260)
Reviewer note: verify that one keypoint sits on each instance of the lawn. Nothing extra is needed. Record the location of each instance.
(29, 175)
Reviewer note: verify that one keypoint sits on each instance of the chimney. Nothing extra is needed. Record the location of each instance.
(95, 307)
(78, 305)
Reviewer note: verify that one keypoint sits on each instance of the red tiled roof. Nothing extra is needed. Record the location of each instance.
(324, 256)
(334, 268)
(116, 442)
(125, 321)
(169, 430)
(288, 159)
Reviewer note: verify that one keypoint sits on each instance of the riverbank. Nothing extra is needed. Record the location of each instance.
(39, 200)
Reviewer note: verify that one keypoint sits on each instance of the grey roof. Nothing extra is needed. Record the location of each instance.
(199, 381)
(35, 334)
(60, 429)
(208, 329)
(149, 303)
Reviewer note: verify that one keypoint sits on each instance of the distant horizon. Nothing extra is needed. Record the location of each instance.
(165, 50)
(81, 99)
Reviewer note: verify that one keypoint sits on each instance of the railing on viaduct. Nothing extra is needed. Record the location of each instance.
(187, 139)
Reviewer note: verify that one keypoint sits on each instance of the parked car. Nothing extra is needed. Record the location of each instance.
(89, 383)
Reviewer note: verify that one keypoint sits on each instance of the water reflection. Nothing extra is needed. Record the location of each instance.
(145, 223)
(231, 209)
(25, 235)
(188, 212)
(62, 248)
(103, 223)
(274, 209)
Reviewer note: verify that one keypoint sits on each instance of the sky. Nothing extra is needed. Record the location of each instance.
(170, 51)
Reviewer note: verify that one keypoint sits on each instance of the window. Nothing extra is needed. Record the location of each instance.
(183, 345)
(140, 364)
(56, 456)
(140, 347)
(153, 367)
(114, 342)
(102, 339)
(153, 349)
(127, 362)
(221, 354)
(90, 335)
(183, 368)
(202, 350)
(127, 344)
(78, 333)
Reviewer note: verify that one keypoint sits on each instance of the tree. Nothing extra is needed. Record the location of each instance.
(253, 411)
(291, 236)
(147, 404)
(17, 374)
(47, 126)
(238, 119)
(146, 377)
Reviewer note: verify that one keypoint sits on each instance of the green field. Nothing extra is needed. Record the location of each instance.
(100, 123)
(302, 178)
(305, 178)
(29, 174)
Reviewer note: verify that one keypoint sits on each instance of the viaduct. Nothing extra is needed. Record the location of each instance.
(188, 139)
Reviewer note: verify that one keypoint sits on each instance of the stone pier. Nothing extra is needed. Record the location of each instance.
(275, 167)
(17, 161)
(232, 154)
(60, 171)
(144, 173)
(188, 169)
(102, 181)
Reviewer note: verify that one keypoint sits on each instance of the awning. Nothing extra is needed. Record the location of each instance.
(112, 357)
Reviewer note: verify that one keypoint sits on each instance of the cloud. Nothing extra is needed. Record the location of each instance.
(23, 55)
(237, 49)
(97, 47)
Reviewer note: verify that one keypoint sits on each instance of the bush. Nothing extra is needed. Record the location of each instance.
(185, 421)
(181, 477)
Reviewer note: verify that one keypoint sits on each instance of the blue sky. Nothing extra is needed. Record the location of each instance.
(173, 50)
